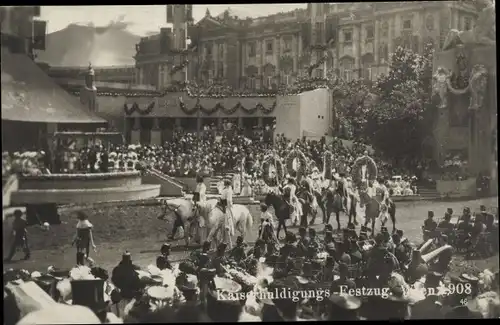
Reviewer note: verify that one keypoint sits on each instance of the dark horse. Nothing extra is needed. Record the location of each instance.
(282, 210)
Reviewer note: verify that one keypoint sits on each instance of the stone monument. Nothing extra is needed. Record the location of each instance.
(465, 85)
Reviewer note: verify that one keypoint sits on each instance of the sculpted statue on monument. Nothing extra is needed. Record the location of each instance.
(478, 82)
(440, 85)
(483, 33)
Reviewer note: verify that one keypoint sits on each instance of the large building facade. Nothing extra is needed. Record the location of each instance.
(352, 39)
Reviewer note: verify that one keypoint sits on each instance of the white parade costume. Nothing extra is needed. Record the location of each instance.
(227, 195)
(294, 201)
(202, 190)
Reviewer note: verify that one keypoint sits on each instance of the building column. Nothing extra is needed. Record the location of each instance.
(156, 132)
(198, 124)
(356, 41)
(376, 43)
(135, 134)
(260, 121)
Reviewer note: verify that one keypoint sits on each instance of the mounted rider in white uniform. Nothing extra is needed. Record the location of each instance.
(226, 203)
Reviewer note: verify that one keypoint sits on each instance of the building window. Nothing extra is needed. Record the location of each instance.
(319, 73)
(369, 32)
(221, 50)
(288, 44)
(252, 49)
(467, 23)
(319, 33)
(347, 36)
(347, 67)
(208, 49)
(385, 29)
(269, 47)
(407, 24)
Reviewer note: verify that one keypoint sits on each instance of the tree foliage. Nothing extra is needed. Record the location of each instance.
(396, 123)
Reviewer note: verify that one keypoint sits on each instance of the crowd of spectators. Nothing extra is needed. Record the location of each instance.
(214, 151)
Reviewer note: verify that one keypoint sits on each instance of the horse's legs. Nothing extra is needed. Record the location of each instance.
(337, 216)
(373, 226)
(323, 211)
(393, 219)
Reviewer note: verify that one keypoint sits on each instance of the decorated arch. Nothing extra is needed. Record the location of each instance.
(364, 170)
(296, 163)
(273, 170)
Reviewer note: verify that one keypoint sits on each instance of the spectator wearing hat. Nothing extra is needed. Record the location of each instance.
(164, 257)
(314, 241)
(465, 224)
(395, 305)
(238, 254)
(343, 281)
(125, 277)
(195, 255)
(343, 307)
(429, 225)
(328, 238)
(430, 307)
(220, 259)
(284, 309)
(20, 234)
(454, 306)
(446, 226)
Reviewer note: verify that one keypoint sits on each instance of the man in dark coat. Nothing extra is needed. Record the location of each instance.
(125, 277)
(238, 253)
(20, 235)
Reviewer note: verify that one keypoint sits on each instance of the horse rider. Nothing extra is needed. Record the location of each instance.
(341, 190)
(305, 194)
(353, 194)
(226, 203)
(199, 194)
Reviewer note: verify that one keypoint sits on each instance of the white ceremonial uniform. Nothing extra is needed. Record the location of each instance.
(295, 202)
(202, 189)
(227, 194)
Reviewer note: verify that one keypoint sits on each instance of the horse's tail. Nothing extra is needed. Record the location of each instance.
(249, 220)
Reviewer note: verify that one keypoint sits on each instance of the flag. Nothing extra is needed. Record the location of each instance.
(170, 13)
(39, 34)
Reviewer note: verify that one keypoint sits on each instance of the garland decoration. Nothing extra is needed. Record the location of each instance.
(127, 110)
(265, 110)
(135, 108)
(218, 106)
(231, 110)
(328, 164)
(250, 111)
(148, 109)
(296, 153)
(371, 170)
(272, 161)
(185, 109)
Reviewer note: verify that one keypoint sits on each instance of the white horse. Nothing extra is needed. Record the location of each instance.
(183, 208)
(214, 219)
(204, 218)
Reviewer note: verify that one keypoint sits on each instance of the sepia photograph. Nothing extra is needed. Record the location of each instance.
(272, 162)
